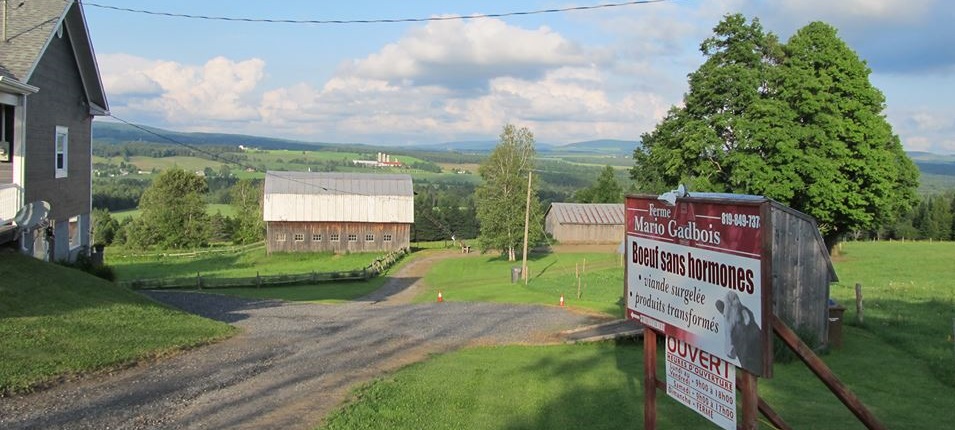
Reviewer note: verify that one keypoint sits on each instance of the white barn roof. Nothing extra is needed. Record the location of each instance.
(338, 197)
(588, 213)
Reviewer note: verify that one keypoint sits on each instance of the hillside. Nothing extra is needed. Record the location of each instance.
(57, 321)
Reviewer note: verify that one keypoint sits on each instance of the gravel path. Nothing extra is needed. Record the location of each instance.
(292, 364)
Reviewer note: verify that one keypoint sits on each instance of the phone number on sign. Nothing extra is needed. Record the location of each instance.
(740, 220)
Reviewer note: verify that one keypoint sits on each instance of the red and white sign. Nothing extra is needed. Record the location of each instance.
(694, 272)
(701, 381)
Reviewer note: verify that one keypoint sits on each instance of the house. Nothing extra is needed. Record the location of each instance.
(339, 212)
(585, 222)
(50, 90)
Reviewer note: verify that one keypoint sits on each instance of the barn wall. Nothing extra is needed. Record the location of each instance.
(401, 236)
(587, 233)
(800, 275)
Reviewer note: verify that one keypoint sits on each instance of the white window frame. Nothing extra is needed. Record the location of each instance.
(61, 153)
(353, 237)
(386, 238)
(334, 237)
(280, 237)
(299, 237)
(316, 237)
(369, 237)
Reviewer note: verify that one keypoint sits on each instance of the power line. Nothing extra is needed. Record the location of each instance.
(373, 21)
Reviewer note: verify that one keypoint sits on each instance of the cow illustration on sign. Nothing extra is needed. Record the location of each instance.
(742, 332)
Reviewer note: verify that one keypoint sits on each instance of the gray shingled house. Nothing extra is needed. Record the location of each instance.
(339, 212)
(50, 90)
(585, 222)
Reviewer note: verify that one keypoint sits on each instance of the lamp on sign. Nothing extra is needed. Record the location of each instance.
(670, 197)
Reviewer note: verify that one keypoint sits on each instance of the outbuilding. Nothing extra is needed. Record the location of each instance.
(576, 223)
(338, 212)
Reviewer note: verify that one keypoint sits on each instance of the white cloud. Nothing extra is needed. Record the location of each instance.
(219, 90)
(925, 129)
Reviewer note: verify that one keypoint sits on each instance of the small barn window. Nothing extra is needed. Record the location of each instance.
(369, 237)
(299, 237)
(333, 237)
(316, 237)
(353, 238)
(280, 237)
(386, 238)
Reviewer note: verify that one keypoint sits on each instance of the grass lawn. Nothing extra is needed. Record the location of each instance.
(598, 386)
(57, 321)
(488, 278)
(233, 265)
(899, 363)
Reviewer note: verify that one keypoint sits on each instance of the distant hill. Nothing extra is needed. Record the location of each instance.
(114, 132)
(603, 146)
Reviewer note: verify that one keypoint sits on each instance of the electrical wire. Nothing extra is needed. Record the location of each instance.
(373, 21)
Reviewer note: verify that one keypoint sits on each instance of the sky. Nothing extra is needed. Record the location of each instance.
(609, 73)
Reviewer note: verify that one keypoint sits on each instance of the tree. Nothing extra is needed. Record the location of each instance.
(606, 190)
(104, 227)
(501, 198)
(173, 212)
(799, 123)
(247, 201)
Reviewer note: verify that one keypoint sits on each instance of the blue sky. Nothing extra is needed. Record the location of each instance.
(607, 73)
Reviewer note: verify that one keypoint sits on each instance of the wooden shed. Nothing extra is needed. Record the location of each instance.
(339, 212)
(585, 222)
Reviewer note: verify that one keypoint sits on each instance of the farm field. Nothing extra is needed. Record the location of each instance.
(243, 263)
(488, 278)
(57, 321)
(211, 209)
(899, 362)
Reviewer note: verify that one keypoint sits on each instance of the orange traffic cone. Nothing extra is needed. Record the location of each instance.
(561, 300)
(440, 297)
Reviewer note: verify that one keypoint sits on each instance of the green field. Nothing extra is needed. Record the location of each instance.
(488, 278)
(244, 263)
(211, 209)
(56, 321)
(899, 363)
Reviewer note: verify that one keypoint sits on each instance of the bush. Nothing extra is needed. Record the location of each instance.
(85, 263)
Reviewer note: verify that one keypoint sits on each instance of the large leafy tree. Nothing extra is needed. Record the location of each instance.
(173, 212)
(797, 122)
(605, 190)
(501, 198)
(247, 201)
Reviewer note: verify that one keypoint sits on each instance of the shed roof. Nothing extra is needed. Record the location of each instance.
(30, 25)
(315, 183)
(588, 213)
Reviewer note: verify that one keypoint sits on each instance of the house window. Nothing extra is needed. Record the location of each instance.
(369, 237)
(74, 232)
(299, 237)
(280, 237)
(317, 237)
(353, 238)
(62, 150)
(386, 238)
(333, 237)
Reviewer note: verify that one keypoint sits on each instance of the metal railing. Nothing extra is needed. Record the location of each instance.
(9, 202)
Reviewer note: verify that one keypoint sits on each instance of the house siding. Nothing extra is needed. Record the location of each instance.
(59, 102)
(401, 236)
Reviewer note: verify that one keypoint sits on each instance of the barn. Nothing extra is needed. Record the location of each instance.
(338, 212)
(585, 222)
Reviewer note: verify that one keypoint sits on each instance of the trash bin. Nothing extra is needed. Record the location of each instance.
(835, 325)
(515, 274)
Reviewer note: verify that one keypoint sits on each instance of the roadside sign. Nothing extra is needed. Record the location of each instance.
(695, 272)
(702, 382)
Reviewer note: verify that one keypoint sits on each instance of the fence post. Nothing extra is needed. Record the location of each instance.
(258, 280)
(859, 308)
(198, 281)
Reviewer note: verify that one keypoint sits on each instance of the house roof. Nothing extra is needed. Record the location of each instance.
(588, 213)
(29, 27)
(316, 183)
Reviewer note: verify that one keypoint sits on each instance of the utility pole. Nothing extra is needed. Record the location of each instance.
(527, 221)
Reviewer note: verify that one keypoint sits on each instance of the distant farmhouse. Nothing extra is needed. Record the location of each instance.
(383, 160)
(355, 212)
(50, 89)
(585, 222)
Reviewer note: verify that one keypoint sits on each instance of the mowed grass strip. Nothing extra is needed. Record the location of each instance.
(487, 278)
(908, 293)
(233, 265)
(599, 386)
(56, 321)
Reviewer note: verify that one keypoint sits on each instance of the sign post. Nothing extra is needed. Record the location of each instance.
(698, 272)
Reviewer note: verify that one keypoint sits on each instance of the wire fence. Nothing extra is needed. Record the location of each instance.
(258, 281)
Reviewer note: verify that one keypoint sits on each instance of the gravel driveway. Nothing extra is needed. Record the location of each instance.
(290, 366)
